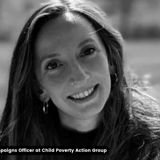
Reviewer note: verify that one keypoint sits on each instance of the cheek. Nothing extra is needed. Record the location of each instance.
(57, 80)
(56, 84)
(99, 65)
(100, 68)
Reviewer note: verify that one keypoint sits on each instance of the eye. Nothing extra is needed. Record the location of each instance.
(53, 65)
(88, 51)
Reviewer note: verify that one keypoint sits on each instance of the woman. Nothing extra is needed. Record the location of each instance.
(67, 88)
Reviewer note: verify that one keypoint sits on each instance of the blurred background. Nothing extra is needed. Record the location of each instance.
(137, 20)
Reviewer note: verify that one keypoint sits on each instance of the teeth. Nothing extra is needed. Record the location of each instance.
(86, 93)
(82, 94)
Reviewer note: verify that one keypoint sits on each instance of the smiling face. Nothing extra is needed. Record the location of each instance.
(72, 67)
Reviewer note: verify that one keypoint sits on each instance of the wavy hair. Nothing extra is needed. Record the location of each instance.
(130, 124)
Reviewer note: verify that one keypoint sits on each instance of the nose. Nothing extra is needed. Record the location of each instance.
(79, 75)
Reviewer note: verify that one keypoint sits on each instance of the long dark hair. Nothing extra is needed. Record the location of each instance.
(128, 129)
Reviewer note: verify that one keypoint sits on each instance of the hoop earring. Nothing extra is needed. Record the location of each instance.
(45, 107)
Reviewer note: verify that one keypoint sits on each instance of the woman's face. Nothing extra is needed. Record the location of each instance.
(72, 67)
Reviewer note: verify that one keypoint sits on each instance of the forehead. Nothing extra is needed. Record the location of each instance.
(62, 29)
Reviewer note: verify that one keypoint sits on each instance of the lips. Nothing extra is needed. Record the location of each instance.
(86, 94)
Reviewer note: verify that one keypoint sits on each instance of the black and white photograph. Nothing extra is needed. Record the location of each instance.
(79, 80)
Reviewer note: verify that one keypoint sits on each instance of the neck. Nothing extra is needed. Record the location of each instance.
(81, 125)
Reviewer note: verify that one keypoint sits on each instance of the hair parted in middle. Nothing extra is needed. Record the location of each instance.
(23, 122)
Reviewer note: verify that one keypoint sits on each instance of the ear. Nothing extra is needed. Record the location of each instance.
(44, 97)
(111, 69)
(40, 92)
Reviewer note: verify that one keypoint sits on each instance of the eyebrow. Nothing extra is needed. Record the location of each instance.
(86, 41)
(47, 56)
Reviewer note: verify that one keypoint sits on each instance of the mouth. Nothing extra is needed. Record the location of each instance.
(85, 95)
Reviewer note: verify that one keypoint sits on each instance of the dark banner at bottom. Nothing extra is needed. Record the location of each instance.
(52, 150)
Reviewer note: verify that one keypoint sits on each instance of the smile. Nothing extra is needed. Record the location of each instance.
(83, 95)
